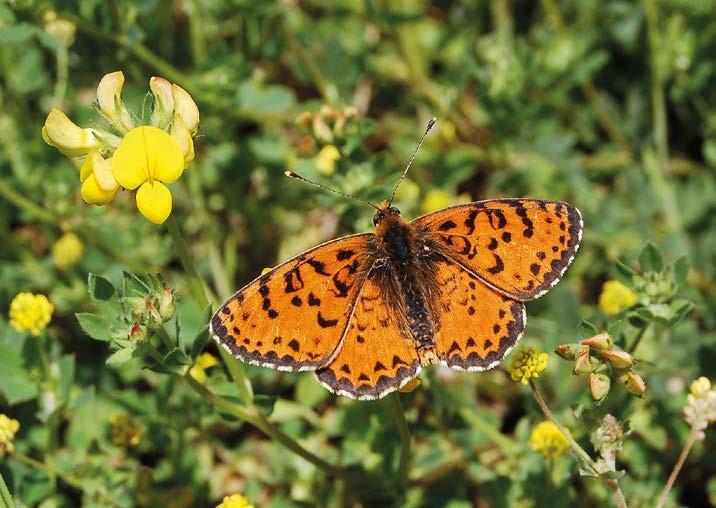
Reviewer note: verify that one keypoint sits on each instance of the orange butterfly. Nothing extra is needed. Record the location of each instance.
(367, 311)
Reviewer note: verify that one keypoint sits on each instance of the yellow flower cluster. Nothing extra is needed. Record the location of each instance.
(548, 440)
(235, 501)
(8, 429)
(616, 297)
(30, 312)
(203, 362)
(135, 157)
(528, 364)
(326, 160)
(124, 431)
(68, 249)
(700, 410)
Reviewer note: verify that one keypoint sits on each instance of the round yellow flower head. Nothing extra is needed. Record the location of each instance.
(124, 431)
(326, 159)
(616, 297)
(147, 159)
(30, 312)
(548, 440)
(68, 249)
(203, 362)
(528, 364)
(8, 429)
(700, 387)
(235, 501)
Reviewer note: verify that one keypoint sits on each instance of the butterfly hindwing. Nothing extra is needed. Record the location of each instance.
(478, 326)
(520, 247)
(375, 358)
(294, 317)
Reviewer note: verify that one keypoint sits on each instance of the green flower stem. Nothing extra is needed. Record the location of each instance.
(476, 420)
(5, 494)
(26, 204)
(578, 450)
(197, 287)
(252, 416)
(396, 409)
(166, 339)
(637, 339)
(690, 441)
(62, 57)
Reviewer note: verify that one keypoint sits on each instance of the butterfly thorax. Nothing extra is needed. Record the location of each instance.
(403, 261)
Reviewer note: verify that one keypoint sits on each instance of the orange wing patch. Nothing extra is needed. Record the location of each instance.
(478, 326)
(520, 247)
(294, 317)
(375, 358)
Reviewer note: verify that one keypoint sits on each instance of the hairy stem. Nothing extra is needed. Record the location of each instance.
(5, 494)
(690, 441)
(396, 409)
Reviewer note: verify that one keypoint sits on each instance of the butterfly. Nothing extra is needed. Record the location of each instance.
(368, 311)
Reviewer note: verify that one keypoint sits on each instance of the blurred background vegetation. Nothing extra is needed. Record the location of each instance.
(607, 105)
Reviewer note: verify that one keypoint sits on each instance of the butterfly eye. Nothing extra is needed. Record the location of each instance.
(377, 218)
(393, 211)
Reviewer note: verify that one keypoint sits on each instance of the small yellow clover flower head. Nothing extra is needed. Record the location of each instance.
(67, 250)
(8, 429)
(548, 440)
(30, 313)
(235, 501)
(124, 431)
(616, 297)
(700, 410)
(529, 363)
(203, 362)
(147, 159)
(326, 160)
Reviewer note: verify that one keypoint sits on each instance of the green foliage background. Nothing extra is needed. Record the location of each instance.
(608, 105)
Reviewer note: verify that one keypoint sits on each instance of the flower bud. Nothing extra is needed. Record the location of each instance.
(618, 358)
(135, 303)
(321, 130)
(567, 351)
(60, 132)
(138, 332)
(180, 133)
(633, 383)
(167, 304)
(111, 105)
(599, 385)
(582, 362)
(154, 318)
(62, 30)
(163, 101)
(600, 341)
(700, 387)
(98, 183)
(186, 108)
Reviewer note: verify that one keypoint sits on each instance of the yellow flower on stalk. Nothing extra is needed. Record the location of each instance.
(235, 501)
(147, 159)
(68, 249)
(203, 362)
(326, 159)
(548, 440)
(30, 313)
(8, 429)
(529, 363)
(616, 297)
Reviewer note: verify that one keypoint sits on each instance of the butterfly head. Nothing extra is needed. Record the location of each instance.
(385, 211)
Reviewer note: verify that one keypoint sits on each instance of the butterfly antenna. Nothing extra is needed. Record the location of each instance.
(431, 124)
(296, 176)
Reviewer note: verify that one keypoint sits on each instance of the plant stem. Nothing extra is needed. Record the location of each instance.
(578, 450)
(5, 494)
(26, 204)
(250, 415)
(640, 335)
(50, 470)
(693, 437)
(62, 57)
(166, 339)
(396, 409)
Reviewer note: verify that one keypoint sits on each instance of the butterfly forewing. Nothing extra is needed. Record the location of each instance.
(375, 358)
(294, 317)
(520, 247)
(478, 326)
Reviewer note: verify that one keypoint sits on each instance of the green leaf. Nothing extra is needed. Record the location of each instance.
(587, 329)
(15, 382)
(120, 357)
(309, 392)
(681, 271)
(624, 272)
(67, 376)
(265, 403)
(94, 325)
(17, 34)
(99, 288)
(650, 258)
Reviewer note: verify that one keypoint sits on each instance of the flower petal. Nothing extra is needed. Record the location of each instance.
(60, 132)
(93, 194)
(182, 136)
(102, 169)
(146, 154)
(186, 107)
(163, 101)
(86, 168)
(154, 201)
(109, 92)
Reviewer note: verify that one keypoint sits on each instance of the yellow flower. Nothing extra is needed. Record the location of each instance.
(548, 440)
(62, 133)
(326, 159)
(8, 429)
(528, 364)
(124, 431)
(235, 501)
(435, 199)
(61, 30)
(700, 387)
(98, 183)
(30, 312)
(203, 362)
(186, 108)
(147, 159)
(616, 297)
(68, 249)
(111, 105)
